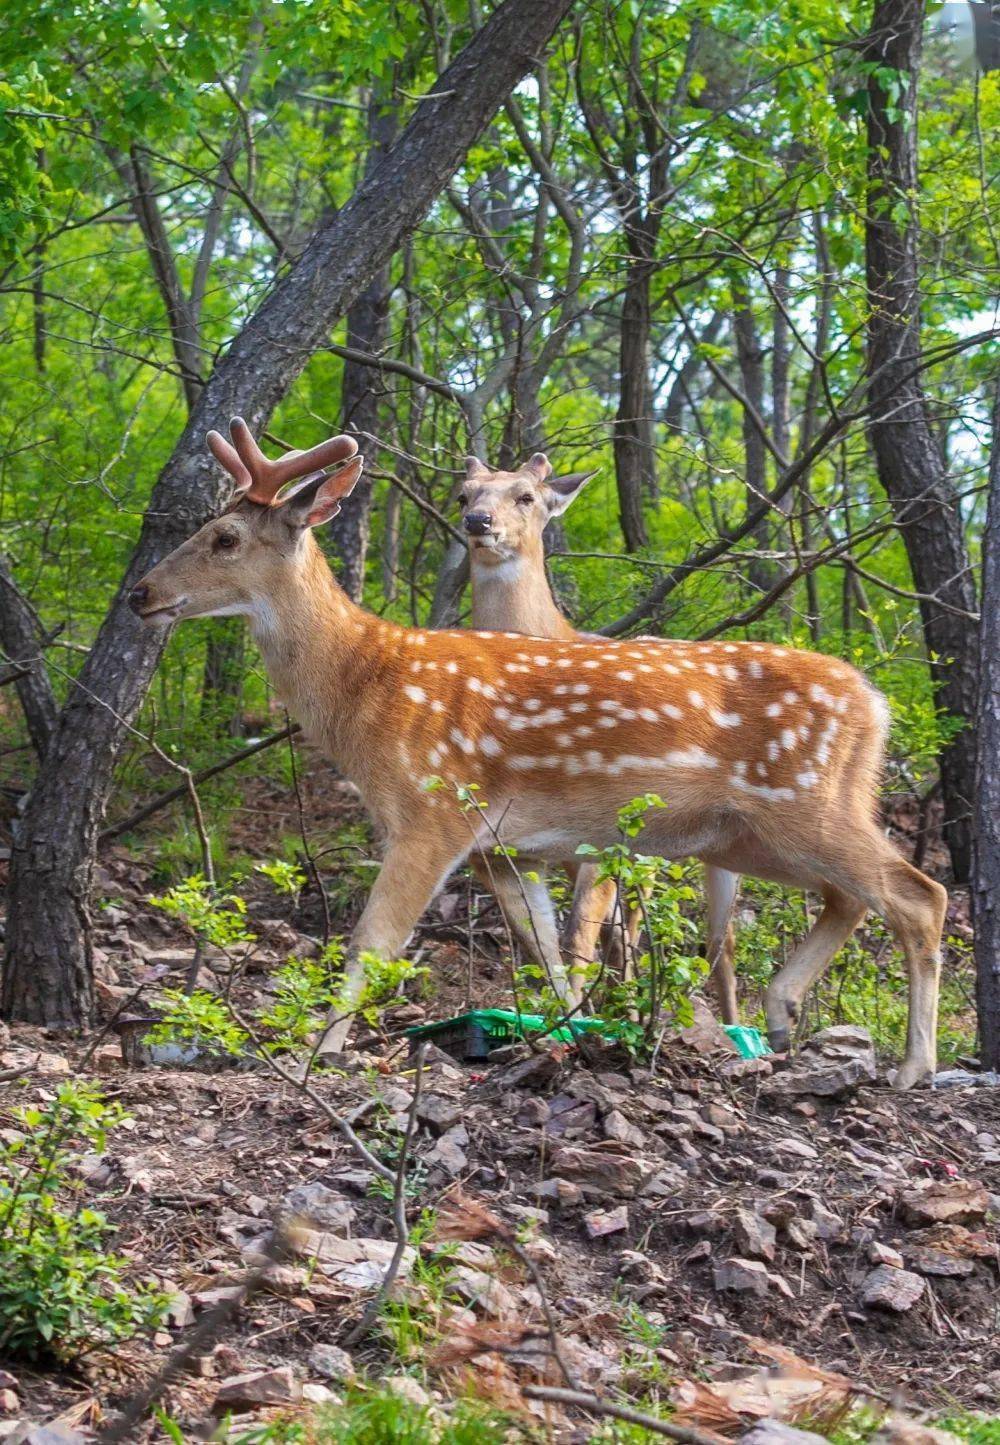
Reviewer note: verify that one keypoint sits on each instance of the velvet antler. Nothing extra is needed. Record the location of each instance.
(258, 478)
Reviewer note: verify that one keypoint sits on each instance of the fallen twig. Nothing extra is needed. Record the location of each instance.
(598, 1406)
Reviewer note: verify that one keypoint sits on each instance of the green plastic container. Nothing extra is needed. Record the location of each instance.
(751, 1043)
(475, 1035)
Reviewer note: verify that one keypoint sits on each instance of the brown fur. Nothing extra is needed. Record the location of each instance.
(782, 797)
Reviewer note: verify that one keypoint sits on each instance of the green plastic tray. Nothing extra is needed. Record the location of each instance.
(476, 1034)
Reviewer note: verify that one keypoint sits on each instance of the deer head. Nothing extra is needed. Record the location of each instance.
(504, 513)
(237, 563)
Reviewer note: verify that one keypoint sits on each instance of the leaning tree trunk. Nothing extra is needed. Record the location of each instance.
(47, 973)
(22, 638)
(986, 812)
(367, 327)
(908, 458)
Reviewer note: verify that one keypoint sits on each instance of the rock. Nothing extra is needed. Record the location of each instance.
(258, 1387)
(608, 1221)
(180, 1311)
(831, 1063)
(561, 1191)
(737, 1069)
(570, 1118)
(898, 1429)
(317, 1206)
(829, 1226)
(879, 1253)
(439, 1113)
(533, 1072)
(533, 1113)
(962, 1078)
(314, 1394)
(891, 1289)
(705, 1035)
(612, 1173)
(776, 1432)
(407, 1388)
(937, 1262)
(332, 1363)
(356, 1264)
(798, 1148)
(483, 1291)
(616, 1126)
(448, 1151)
(743, 1276)
(53, 1434)
(801, 1233)
(943, 1201)
(753, 1236)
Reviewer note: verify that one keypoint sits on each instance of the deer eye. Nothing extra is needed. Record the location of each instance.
(525, 499)
(463, 500)
(226, 541)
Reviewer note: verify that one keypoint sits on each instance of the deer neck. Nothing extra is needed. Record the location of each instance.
(515, 596)
(320, 652)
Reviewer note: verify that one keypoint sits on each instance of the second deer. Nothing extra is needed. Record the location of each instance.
(504, 515)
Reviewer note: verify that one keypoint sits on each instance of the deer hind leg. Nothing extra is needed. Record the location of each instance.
(914, 907)
(407, 881)
(528, 908)
(721, 888)
(840, 916)
(591, 908)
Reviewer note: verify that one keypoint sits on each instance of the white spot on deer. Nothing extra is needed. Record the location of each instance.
(669, 710)
(725, 719)
(518, 722)
(578, 707)
(804, 731)
(790, 698)
(625, 675)
(696, 699)
(415, 694)
(541, 659)
(565, 740)
(451, 666)
(820, 694)
(489, 745)
(437, 705)
(514, 667)
(761, 770)
(691, 758)
(788, 739)
(711, 669)
(730, 647)
(416, 666)
(420, 638)
(754, 668)
(430, 665)
(773, 751)
(584, 732)
(762, 790)
(740, 769)
(593, 759)
(522, 763)
(574, 766)
(808, 778)
(686, 662)
(462, 740)
(564, 662)
(730, 672)
(591, 662)
(501, 713)
(607, 722)
(531, 704)
(773, 709)
(669, 667)
(581, 689)
(648, 715)
(435, 756)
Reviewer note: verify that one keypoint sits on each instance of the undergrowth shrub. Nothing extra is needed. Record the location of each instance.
(61, 1293)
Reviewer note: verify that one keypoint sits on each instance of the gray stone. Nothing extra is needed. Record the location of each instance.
(891, 1289)
(258, 1387)
(776, 1432)
(742, 1276)
(753, 1236)
(619, 1174)
(439, 1113)
(605, 1221)
(317, 1206)
(332, 1363)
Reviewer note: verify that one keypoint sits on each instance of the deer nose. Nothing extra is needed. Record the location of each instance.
(477, 524)
(138, 597)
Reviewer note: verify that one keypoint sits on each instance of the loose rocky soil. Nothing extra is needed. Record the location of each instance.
(700, 1229)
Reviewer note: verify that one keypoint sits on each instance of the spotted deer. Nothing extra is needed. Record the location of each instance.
(768, 758)
(504, 515)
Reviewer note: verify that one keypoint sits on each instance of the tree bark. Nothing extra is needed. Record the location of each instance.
(48, 973)
(986, 813)
(367, 327)
(635, 458)
(909, 461)
(22, 638)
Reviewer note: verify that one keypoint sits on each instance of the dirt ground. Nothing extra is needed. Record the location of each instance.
(676, 1217)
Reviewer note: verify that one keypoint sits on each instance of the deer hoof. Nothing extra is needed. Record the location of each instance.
(913, 1074)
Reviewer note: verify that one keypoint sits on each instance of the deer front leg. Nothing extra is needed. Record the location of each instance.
(412, 872)
(527, 906)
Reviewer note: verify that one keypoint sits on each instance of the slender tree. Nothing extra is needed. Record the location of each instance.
(907, 452)
(986, 815)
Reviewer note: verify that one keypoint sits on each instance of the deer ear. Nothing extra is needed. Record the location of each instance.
(318, 498)
(562, 490)
(475, 468)
(539, 466)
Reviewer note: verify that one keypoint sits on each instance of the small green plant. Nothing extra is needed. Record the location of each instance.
(60, 1292)
(287, 878)
(383, 1418)
(201, 1018)
(217, 919)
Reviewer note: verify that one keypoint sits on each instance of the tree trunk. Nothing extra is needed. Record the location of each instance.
(750, 356)
(986, 812)
(48, 974)
(367, 327)
(222, 681)
(908, 458)
(22, 638)
(635, 468)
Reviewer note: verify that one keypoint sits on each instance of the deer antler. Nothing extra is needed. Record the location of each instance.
(259, 479)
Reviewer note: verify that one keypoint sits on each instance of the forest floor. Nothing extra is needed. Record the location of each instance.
(718, 1239)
